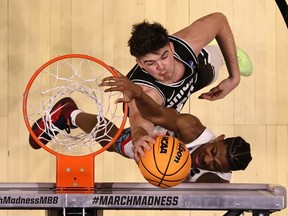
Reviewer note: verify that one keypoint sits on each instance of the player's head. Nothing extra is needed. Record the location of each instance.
(147, 38)
(238, 153)
(223, 155)
(149, 43)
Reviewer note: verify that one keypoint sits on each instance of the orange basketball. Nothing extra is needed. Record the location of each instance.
(167, 164)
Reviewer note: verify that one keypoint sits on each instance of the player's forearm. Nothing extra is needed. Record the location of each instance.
(204, 30)
(157, 114)
(148, 108)
(227, 45)
(139, 126)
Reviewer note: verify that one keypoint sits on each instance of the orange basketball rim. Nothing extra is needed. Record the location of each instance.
(73, 173)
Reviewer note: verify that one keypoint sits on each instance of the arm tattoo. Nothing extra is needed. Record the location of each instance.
(205, 17)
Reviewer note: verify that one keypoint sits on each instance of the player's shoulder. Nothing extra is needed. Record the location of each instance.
(206, 176)
(210, 177)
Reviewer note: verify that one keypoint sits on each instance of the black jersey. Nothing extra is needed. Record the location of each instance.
(198, 74)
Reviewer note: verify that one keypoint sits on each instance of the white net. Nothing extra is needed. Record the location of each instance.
(79, 79)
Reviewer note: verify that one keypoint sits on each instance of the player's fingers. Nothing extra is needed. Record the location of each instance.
(150, 140)
(138, 154)
(108, 79)
(122, 100)
(147, 140)
(206, 96)
(117, 88)
(141, 153)
(140, 149)
(116, 71)
(119, 100)
(212, 95)
(136, 157)
(214, 90)
(113, 79)
(110, 83)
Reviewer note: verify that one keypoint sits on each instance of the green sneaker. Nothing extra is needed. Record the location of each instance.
(244, 62)
(213, 42)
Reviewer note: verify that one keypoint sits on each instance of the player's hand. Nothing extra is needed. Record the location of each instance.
(124, 85)
(141, 145)
(220, 91)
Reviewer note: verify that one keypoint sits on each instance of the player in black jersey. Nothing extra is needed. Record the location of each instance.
(172, 67)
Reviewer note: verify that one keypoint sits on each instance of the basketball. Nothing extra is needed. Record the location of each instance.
(167, 164)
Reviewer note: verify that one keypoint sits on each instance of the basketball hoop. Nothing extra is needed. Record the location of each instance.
(77, 76)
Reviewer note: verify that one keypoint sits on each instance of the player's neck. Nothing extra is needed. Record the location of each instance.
(179, 71)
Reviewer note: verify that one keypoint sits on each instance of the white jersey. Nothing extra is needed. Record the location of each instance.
(195, 173)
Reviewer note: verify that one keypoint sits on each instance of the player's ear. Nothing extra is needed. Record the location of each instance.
(139, 63)
(220, 138)
(171, 45)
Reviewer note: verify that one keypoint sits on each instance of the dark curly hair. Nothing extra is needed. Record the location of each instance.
(147, 38)
(238, 153)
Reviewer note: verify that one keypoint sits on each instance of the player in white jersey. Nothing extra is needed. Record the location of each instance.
(212, 157)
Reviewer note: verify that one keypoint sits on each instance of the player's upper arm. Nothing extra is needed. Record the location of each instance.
(202, 31)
